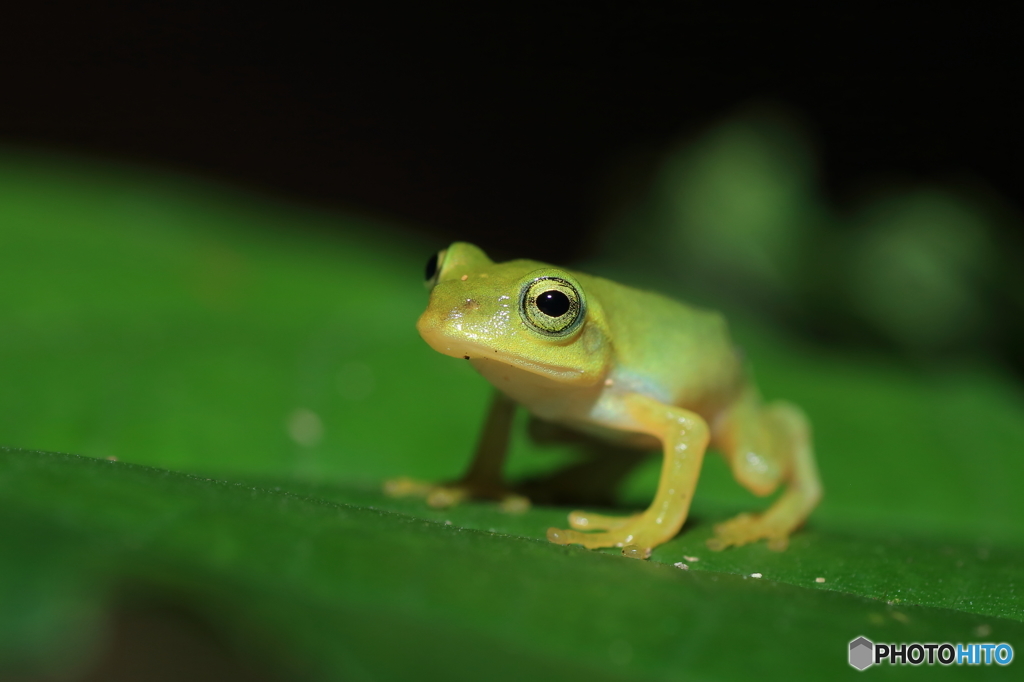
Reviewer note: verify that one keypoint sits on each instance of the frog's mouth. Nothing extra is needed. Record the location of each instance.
(479, 355)
(477, 349)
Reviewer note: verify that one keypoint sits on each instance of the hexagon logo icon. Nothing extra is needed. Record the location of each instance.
(861, 653)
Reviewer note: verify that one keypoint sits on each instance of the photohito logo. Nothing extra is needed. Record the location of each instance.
(864, 653)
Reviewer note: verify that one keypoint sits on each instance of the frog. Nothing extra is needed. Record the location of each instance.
(626, 365)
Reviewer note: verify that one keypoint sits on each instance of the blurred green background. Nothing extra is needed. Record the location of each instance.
(234, 376)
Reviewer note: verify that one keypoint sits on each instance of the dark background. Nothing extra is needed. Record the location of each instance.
(502, 126)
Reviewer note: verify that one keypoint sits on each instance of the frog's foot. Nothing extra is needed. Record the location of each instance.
(450, 494)
(775, 525)
(747, 528)
(637, 535)
(581, 520)
(403, 486)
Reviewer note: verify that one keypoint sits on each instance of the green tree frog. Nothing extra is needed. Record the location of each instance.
(618, 363)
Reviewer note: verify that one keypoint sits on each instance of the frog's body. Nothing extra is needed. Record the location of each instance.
(623, 364)
(700, 370)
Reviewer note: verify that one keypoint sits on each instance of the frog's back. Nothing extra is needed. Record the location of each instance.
(676, 352)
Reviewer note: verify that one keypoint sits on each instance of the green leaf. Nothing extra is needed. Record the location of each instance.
(254, 369)
(345, 588)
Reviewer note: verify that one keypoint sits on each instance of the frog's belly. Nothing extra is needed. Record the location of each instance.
(581, 408)
(631, 439)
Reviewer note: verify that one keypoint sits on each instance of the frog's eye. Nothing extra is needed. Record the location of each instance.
(434, 268)
(552, 305)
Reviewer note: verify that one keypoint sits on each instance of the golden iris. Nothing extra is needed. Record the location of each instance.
(551, 305)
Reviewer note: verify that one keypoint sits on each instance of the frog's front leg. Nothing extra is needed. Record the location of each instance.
(685, 436)
(483, 478)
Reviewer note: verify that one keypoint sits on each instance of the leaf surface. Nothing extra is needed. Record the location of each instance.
(254, 369)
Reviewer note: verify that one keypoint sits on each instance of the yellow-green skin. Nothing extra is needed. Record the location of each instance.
(635, 367)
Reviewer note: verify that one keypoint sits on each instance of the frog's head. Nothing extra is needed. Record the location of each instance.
(522, 313)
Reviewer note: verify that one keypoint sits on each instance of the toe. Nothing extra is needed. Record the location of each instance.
(404, 486)
(440, 497)
(716, 544)
(730, 526)
(745, 529)
(515, 504)
(636, 552)
(560, 536)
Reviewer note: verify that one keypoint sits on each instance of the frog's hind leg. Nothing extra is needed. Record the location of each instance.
(767, 445)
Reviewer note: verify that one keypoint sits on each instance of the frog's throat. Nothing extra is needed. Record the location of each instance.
(477, 354)
(563, 375)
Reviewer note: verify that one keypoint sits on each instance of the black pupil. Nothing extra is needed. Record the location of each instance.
(432, 267)
(553, 303)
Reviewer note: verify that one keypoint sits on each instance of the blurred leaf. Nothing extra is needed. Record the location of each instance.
(918, 266)
(736, 217)
(160, 320)
(742, 199)
(267, 353)
(732, 211)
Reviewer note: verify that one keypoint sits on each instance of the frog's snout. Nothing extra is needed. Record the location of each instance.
(436, 329)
